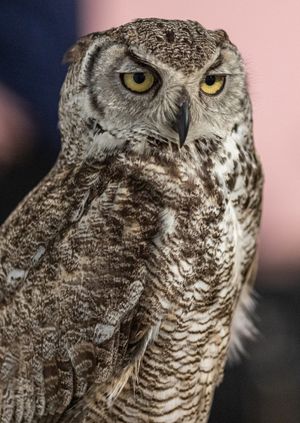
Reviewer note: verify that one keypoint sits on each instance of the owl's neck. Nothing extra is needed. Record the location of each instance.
(208, 157)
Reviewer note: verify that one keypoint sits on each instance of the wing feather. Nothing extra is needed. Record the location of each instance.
(69, 324)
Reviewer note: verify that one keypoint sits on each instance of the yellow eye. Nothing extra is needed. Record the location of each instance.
(138, 82)
(212, 84)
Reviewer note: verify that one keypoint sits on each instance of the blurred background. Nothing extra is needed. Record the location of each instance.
(264, 387)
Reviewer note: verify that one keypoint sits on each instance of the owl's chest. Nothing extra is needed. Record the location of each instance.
(180, 369)
(183, 364)
(204, 242)
(201, 244)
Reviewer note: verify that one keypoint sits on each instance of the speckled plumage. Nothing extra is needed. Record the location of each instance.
(124, 274)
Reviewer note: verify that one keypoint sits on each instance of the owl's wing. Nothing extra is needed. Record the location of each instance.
(77, 319)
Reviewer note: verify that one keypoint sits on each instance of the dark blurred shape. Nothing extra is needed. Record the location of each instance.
(33, 38)
(265, 386)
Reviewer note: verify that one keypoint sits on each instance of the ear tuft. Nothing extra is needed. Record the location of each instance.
(76, 52)
(222, 35)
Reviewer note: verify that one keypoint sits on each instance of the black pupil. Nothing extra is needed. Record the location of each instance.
(210, 80)
(139, 77)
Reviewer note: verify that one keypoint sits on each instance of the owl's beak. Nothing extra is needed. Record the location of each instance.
(182, 121)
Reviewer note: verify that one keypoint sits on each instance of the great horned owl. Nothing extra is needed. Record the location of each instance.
(127, 271)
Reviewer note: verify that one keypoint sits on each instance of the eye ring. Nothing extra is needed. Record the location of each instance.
(212, 85)
(138, 82)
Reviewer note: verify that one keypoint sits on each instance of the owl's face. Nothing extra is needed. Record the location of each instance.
(170, 81)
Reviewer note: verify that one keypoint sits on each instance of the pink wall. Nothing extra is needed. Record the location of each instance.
(268, 35)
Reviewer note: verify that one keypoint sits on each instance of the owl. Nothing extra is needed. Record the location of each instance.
(126, 274)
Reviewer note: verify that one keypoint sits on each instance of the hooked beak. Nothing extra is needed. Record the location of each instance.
(182, 121)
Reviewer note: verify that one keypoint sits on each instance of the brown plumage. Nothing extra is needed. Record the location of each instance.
(123, 274)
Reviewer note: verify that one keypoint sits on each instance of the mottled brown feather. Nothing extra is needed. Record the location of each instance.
(121, 273)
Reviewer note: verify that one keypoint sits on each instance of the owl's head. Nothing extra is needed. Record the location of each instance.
(152, 82)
